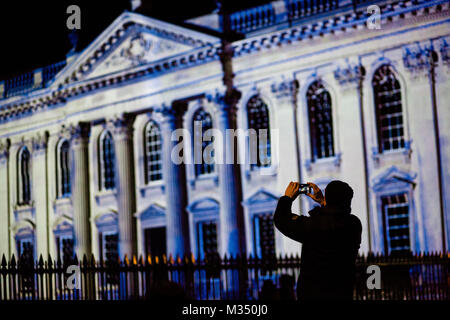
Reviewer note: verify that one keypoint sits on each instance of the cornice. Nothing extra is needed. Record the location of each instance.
(334, 26)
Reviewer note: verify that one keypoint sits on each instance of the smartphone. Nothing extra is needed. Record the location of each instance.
(305, 188)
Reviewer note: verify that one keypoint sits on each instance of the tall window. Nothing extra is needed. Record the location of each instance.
(201, 166)
(107, 158)
(207, 240)
(23, 174)
(25, 249)
(63, 169)
(396, 223)
(258, 120)
(388, 109)
(264, 236)
(109, 253)
(65, 248)
(155, 241)
(320, 121)
(152, 151)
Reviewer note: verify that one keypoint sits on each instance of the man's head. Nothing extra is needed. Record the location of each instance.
(338, 193)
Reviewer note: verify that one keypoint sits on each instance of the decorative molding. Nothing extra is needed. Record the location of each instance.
(418, 59)
(64, 132)
(4, 150)
(349, 75)
(153, 211)
(107, 221)
(406, 151)
(225, 100)
(80, 132)
(121, 126)
(392, 175)
(261, 196)
(209, 52)
(39, 143)
(204, 205)
(329, 162)
(445, 51)
(285, 88)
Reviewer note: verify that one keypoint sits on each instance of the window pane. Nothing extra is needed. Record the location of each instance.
(153, 149)
(388, 106)
(198, 143)
(107, 169)
(264, 236)
(396, 223)
(207, 240)
(64, 170)
(258, 119)
(24, 176)
(320, 121)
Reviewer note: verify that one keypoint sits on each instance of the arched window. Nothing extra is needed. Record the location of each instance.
(107, 158)
(258, 120)
(388, 109)
(320, 121)
(63, 169)
(24, 176)
(201, 166)
(152, 152)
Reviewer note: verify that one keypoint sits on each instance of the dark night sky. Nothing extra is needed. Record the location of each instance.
(34, 33)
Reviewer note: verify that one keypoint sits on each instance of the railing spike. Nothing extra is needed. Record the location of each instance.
(4, 263)
(41, 261)
(13, 261)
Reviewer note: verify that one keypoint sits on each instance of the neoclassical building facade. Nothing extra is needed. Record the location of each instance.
(86, 146)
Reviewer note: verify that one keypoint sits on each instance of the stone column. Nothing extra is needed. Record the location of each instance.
(122, 129)
(4, 201)
(442, 70)
(355, 162)
(80, 189)
(232, 233)
(420, 60)
(40, 192)
(174, 175)
(289, 159)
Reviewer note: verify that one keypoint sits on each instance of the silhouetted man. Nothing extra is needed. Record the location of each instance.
(331, 237)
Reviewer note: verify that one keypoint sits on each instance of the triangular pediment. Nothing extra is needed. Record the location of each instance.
(393, 177)
(260, 196)
(130, 41)
(153, 211)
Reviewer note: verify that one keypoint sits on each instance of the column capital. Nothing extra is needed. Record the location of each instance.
(64, 132)
(285, 88)
(4, 149)
(79, 132)
(350, 75)
(419, 59)
(121, 126)
(225, 100)
(445, 51)
(167, 112)
(39, 143)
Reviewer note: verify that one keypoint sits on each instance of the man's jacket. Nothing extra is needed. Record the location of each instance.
(331, 237)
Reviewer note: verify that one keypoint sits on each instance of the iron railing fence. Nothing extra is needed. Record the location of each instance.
(403, 277)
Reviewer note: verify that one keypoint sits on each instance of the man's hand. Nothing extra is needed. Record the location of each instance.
(318, 195)
(292, 190)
